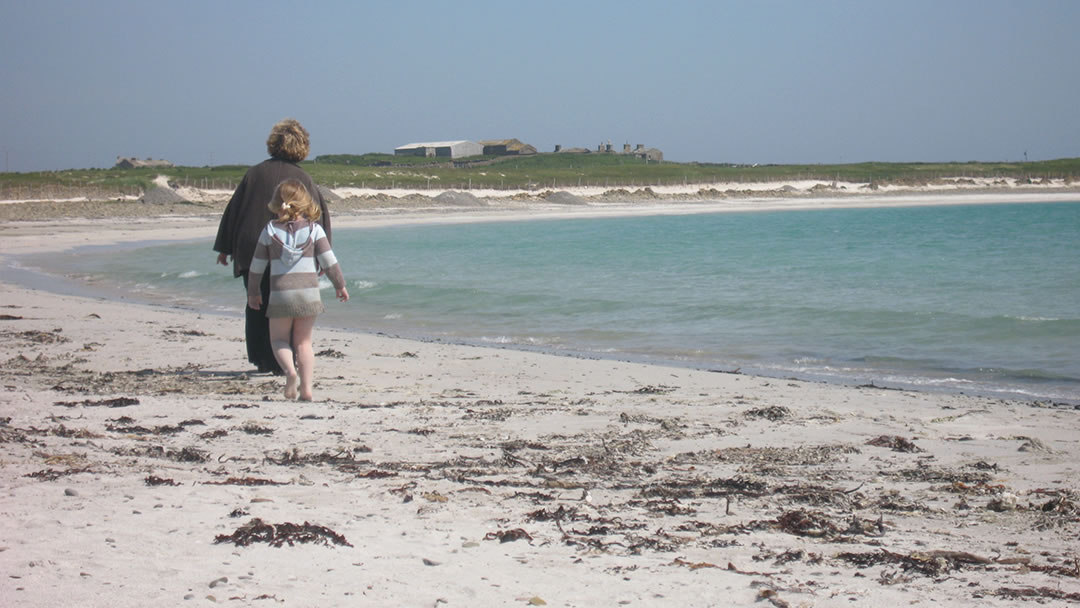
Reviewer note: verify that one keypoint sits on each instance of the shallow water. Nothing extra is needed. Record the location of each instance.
(982, 299)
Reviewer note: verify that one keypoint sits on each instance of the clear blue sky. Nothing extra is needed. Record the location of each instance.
(765, 81)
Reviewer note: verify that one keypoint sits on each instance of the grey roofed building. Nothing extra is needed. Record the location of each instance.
(442, 149)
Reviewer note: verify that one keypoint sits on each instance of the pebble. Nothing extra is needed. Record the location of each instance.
(219, 581)
(70, 492)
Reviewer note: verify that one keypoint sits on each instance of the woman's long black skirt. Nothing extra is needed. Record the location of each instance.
(257, 330)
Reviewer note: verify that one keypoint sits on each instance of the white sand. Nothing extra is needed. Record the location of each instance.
(792, 187)
(635, 485)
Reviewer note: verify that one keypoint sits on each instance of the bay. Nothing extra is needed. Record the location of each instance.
(982, 299)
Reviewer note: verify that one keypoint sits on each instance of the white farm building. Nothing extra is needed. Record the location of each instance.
(441, 149)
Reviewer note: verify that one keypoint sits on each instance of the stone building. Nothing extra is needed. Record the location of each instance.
(135, 163)
(507, 147)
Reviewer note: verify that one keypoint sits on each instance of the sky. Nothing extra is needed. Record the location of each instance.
(766, 81)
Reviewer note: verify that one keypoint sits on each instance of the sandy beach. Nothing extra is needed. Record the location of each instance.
(143, 463)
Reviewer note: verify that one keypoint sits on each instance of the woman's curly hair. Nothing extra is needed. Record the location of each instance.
(288, 141)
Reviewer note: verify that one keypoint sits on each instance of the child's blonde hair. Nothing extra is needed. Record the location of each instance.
(292, 200)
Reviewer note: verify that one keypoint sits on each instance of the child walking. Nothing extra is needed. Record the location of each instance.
(290, 246)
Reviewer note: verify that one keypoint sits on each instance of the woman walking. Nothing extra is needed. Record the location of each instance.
(246, 216)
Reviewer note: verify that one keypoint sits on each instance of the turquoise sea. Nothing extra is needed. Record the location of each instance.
(981, 299)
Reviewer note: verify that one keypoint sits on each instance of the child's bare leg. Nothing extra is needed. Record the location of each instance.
(281, 330)
(305, 354)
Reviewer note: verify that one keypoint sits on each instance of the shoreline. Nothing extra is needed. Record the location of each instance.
(135, 442)
(148, 231)
(416, 206)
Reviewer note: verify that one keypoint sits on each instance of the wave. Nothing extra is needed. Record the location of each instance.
(519, 340)
(1039, 319)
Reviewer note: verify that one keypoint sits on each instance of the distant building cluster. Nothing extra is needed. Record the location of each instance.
(640, 151)
(512, 147)
(135, 163)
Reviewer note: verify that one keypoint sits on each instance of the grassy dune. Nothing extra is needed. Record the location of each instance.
(538, 171)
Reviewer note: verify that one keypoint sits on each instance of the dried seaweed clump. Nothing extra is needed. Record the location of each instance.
(775, 456)
(773, 413)
(895, 443)
(254, 428)
(276, 535)
(157, 451)
(1042, 593)
(293, 457)
(929, 563)
(508, 536)
(818, 525)
(246, 481)
(53, 475)
(115, 402)
(37, 337)
(940, 475)
(702, 488)
(154, 480)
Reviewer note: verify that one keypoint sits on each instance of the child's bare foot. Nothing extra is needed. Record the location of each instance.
(290, 386)
(305, 393)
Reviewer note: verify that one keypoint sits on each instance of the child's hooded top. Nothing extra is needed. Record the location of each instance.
(291, 250)
(246, 214)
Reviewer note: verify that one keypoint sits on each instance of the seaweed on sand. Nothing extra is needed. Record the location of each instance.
(188, 454)
(772, 413)
(1040, 594)
(780, 456)
(53, 475)
(506, 536)
(895, 443)
(700, 488)
(246, 481)
(927, 563)
(115, 402)
(154, 480)
(277, 535)
(343, 456)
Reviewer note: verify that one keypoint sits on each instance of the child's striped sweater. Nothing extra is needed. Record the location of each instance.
(291, 250)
